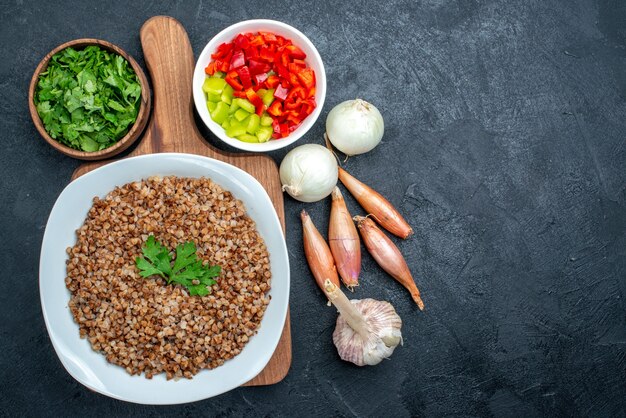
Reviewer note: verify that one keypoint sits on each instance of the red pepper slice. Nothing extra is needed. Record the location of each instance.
(308, 106)
(231, 78)
(224, 64)
(293, 79)
(239, 93)
(241, 42)
(268, 36)
(276, 127)
(295, 52)
(266, 53)
(275, 109)
(307, 78)
(258, 67)
(284, 58)
(300, 63)
(244, 76)
(222, 50)
(256, 101)
(281, 70)
(310, 92)
(294, 68)
(252, 52)
(293, 119)
(281, 92)
(284, 130)
(238, 60)
(280, 40)
(257, 41)
(272, 81)
(210, 69)
(292, 104)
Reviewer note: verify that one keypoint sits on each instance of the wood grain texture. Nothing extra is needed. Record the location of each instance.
(169, 57)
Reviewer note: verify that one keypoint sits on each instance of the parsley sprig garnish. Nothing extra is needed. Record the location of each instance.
(188, 270)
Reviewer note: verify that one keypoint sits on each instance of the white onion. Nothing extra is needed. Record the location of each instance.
(309, 172)
(355, 127)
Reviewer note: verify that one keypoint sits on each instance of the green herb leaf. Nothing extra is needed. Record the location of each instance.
(91, 87)
(188, 269)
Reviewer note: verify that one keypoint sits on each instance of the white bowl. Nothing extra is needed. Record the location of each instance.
(91, 368)
(313, 59)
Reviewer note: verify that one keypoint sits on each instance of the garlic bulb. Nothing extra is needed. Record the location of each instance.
(367, 330)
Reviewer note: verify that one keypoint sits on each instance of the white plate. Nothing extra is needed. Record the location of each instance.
(91, 368)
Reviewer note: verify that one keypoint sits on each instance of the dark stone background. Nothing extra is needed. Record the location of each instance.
(504, 147)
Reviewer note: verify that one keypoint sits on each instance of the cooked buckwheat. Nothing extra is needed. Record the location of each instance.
(143, 324)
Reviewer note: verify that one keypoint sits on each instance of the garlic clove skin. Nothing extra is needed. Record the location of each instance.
(382, 337)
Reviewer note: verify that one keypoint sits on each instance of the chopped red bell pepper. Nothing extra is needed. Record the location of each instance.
(256, 101)
(244, 76)
(294, 68)
(268, 36)
(300, 63)
(257, 41)
(272, 81)
(284, 58)
(281, 70)
(276, 127)
(265, 60)
(225, 64)
(231, 78)
(280, 40)
(252, 52)
(275, 109)
(241, 41)
(295, 52)
(293, 79)
(293, 119)
(210, 69)
(266, 53)
(258, 67)
(222, 50)
(238, 60)
(307, 78)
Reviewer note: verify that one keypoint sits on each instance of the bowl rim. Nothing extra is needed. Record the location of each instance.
(136, 129)
(200, 100)
(49, 303)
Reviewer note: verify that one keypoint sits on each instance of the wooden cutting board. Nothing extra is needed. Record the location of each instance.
(170, 61)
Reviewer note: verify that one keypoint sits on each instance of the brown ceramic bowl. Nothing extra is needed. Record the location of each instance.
(135, 130)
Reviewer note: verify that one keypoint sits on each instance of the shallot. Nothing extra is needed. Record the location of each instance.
(343, 240)
(376, 205)
(317, 253)
(388, 256)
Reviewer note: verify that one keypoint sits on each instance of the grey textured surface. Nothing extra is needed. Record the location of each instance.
(505, 148)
